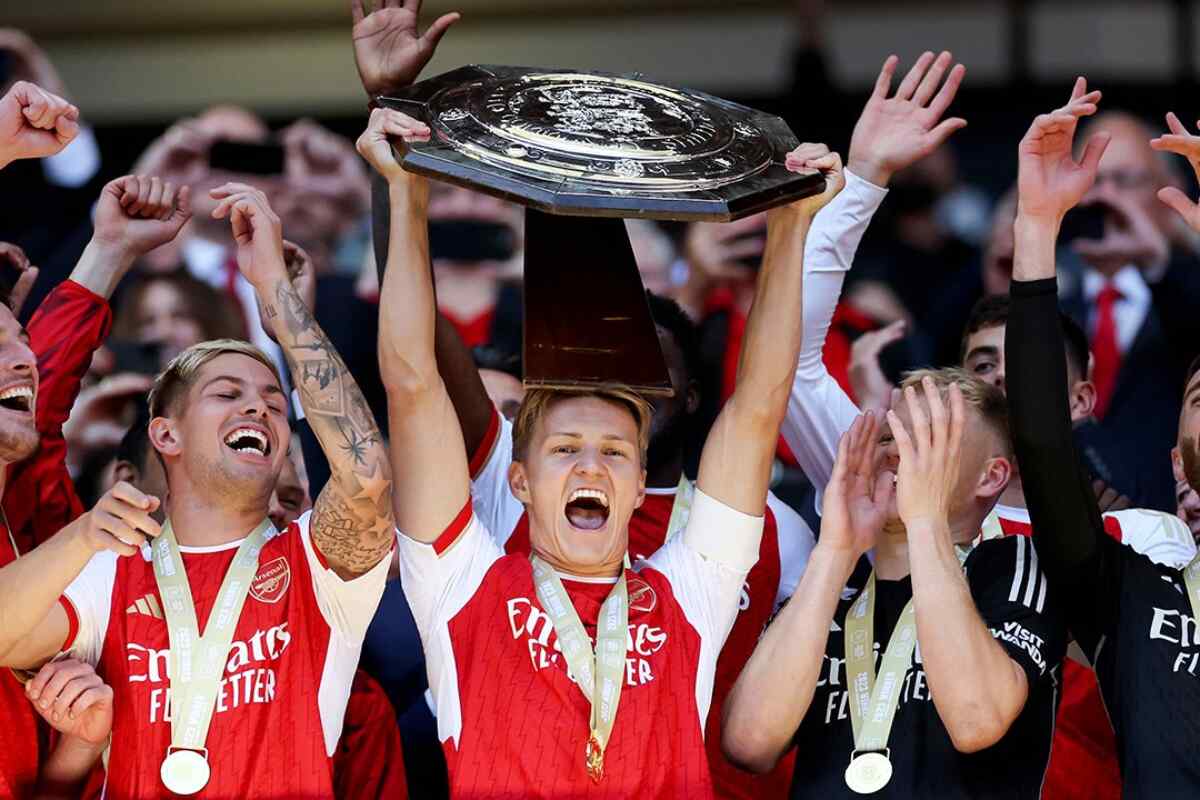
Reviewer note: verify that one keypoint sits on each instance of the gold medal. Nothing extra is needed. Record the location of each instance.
(594, 758)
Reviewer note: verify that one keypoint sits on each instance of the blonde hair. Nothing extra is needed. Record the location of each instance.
(538, 401)
(985, 398)
(173, 383)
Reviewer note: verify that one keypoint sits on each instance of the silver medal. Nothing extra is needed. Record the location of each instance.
(868, 773)
(184, 771)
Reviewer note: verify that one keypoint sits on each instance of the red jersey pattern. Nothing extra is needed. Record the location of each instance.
(1083, 760)
(510, 718)
(369, 764)
(786, 544)
(39, 496)
(279, 712)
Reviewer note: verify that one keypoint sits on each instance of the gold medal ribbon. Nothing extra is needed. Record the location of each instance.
(599, 673)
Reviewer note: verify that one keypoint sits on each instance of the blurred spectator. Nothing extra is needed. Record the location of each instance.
(170, 312)
(1136, 301)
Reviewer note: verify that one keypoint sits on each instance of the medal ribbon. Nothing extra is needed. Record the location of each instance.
(600, 674)
(873, 702)
(197, 662)
(682, 508)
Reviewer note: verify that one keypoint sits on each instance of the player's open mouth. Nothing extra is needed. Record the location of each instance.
(248, 441)
(587, 509)
(18, 398)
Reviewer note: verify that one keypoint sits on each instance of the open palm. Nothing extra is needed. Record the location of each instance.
(1049, 180)
(894, 132)
(856, 501)
(388, 50)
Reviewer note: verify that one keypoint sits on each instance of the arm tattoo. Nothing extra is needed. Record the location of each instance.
(352, 520)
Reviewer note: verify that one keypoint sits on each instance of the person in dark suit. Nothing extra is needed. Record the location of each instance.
(1136, 299)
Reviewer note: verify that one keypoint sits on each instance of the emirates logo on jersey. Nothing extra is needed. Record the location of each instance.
(641, 596)
(271, 581)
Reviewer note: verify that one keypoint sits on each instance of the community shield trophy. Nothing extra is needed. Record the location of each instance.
(591, 148)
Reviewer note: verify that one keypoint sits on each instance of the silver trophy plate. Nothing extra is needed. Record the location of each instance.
(594, 144)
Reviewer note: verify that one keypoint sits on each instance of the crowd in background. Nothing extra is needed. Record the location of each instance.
(1129, 275)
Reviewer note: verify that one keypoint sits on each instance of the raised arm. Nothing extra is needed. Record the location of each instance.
(352, 522)
(430, 461)
(892, 133)
(134, 215)
(773, 693)
(736, 463)
(1066, 523)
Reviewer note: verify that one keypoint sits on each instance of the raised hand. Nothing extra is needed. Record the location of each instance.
(856, 501)
(257, 232)
(138, 213)
(15, 258)
(930, 448)
(806, 158)
(871, 387)
(73, 699)
(388, 50)
(1180, 142)
(375, 144)
(120, 521)
(34, 123)
(179, 155)
(303, 278)
(894, 132)
(1050, 182)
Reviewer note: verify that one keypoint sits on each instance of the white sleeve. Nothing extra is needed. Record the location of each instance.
(90, 598)
(706, 566)
(348, 606)
(796, 542)
(818, 410)
(438, 579)
(1163, 538)
(498, 510)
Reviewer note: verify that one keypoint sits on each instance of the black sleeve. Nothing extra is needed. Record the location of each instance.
(1075, 552)
(1020, 607)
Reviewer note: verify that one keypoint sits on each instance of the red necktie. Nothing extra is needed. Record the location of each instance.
(1105, 349)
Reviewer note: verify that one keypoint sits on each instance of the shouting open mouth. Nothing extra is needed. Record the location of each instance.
(587, 509)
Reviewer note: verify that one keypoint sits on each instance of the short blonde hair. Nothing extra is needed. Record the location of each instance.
(538, 401)
(172, 384)
(985, 398)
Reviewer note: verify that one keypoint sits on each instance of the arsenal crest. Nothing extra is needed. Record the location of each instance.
(641, 595)
(272, 580)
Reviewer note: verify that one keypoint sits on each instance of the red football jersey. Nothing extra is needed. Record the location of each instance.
(39, 496)
(369, 764)
(783, 553)
(510, 718)
(279, 713)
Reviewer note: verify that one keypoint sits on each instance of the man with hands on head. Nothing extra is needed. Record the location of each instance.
(963, 702)
(306, 595)
(1130, 615)
(512, 721)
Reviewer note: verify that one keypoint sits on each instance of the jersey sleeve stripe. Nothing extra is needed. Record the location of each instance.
(1014, 591)
(72, 623)
(453, 530)
(480, 457)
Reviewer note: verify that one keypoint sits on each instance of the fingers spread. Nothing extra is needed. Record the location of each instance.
(932, 78)
(1179, 201)
(945, 95)
(884, 82)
